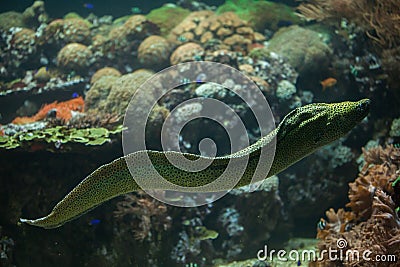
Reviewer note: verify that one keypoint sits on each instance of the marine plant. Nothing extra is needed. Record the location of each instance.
(57, 136)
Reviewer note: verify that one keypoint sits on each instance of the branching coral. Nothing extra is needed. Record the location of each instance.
(372, 228)
(62, 111)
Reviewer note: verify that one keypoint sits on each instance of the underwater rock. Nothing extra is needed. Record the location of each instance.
(74, 57)
(304, 49)
(186, 53)
(154, 52)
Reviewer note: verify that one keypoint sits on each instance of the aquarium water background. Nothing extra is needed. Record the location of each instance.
(68, 71)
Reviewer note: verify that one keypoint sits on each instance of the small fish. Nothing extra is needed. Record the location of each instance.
(88, 5)
(75, 95)
(181, 39)
(321, 224)
(329, 82)
(94, 222)
(136, 10)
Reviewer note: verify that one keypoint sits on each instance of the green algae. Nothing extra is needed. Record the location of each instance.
(60, 135)
(261, 14)
(162, 17)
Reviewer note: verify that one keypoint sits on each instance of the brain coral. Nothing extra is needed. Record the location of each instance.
(74, 56)
(96, 96)
(123, 89)
(106, 71)
(186, 52)
(154, 52)
(304, 49)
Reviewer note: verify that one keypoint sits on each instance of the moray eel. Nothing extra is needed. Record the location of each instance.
(300, 133)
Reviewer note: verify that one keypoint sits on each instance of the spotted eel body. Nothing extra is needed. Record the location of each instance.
(300, 133)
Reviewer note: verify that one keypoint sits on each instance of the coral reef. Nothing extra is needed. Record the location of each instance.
(372, 227)
(100, 58)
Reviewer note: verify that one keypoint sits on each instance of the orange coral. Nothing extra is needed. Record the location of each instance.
(373, 225)
(62, 109)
